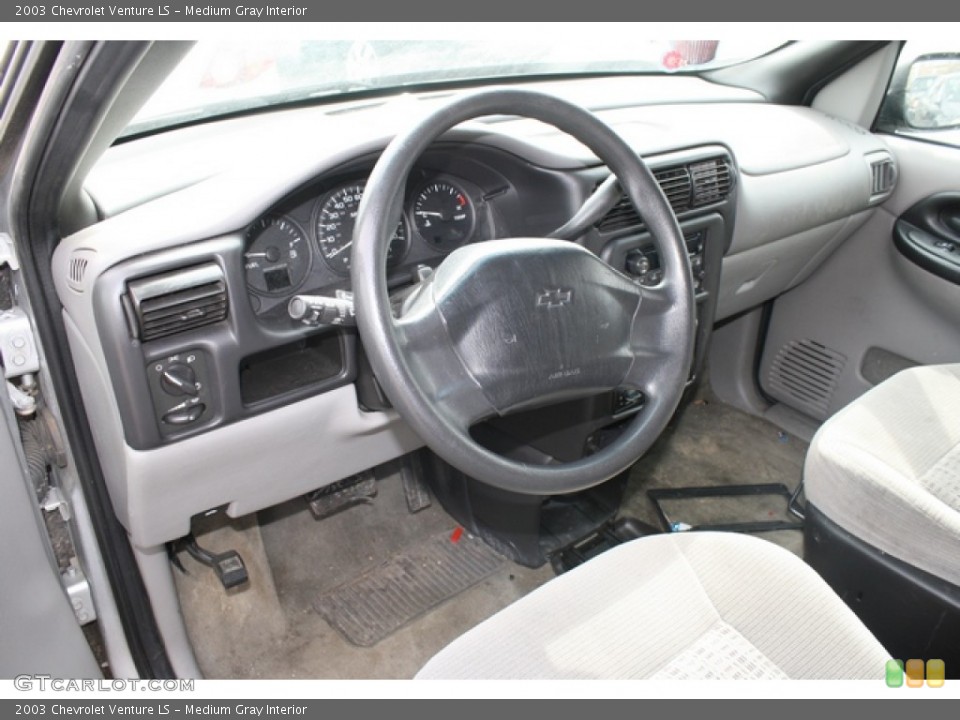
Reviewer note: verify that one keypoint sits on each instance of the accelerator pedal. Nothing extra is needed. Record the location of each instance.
(414, 486)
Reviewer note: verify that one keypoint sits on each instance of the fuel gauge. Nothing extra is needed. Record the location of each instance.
(277, 258)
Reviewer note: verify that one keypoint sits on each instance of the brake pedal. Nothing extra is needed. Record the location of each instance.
(333, 498)
(229, 566)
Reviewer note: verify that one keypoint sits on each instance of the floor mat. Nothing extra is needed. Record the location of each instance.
(381, 601)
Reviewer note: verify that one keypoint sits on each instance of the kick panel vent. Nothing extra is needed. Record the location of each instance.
(805, 374)
(685, 187)
(177, 301)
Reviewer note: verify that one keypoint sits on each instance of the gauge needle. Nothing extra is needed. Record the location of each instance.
(340, 250)
(271, 254)
(425, 213)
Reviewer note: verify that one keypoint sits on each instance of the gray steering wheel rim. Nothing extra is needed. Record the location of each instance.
(377, 217)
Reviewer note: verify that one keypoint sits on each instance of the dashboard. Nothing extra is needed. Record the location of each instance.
(205, 391)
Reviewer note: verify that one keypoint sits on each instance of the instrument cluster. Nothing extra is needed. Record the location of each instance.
(307, 247)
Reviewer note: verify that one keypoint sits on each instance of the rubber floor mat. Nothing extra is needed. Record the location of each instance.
(374, 605)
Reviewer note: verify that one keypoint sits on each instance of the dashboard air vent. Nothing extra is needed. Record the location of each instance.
(711, 181)
(621, 216)
(675, 183)
(685, 186)
(176, 301)
(77, 268)
(883, 176)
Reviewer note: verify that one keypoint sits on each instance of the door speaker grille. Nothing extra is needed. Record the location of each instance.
(805, 374)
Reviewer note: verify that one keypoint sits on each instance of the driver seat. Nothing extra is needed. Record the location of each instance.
(703, 605)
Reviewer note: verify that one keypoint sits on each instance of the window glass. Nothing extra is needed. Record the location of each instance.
(225, 76)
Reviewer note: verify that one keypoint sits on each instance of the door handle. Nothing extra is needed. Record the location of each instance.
(928, 234)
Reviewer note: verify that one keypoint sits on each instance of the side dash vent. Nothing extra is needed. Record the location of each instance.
(883, 176)
(177, 301)
(805, 374)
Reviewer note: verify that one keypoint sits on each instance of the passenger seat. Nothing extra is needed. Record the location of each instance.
(882, 479)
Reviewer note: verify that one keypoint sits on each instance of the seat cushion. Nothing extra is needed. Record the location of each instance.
(886, 469)
(690, 605)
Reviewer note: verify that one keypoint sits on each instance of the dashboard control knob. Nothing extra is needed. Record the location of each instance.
(179, 379)
(638, 264)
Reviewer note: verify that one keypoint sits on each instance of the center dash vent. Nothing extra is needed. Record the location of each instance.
(176, 301)
(685, 187)
(675, 183)
(711, 181)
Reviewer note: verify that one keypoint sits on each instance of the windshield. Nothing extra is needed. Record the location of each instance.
(219, 76)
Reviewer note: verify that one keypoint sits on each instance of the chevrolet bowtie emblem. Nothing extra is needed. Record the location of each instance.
(557, 297)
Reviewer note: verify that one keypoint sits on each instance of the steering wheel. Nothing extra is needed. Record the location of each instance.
(508, 324)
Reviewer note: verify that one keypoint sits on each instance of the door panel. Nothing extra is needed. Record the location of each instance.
(888, 298)
(39, 630)
(39, 633)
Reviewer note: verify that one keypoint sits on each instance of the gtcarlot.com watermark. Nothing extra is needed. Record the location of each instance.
(46, 682)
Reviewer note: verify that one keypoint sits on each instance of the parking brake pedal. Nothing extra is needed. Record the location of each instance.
(228, 566)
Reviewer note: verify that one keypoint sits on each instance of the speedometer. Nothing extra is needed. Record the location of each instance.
(335, 222)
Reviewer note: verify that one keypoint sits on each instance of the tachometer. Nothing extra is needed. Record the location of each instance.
(277, 258)
(444, 216)
(335, 222)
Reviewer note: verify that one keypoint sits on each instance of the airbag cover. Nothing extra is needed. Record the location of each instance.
(536, 320)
